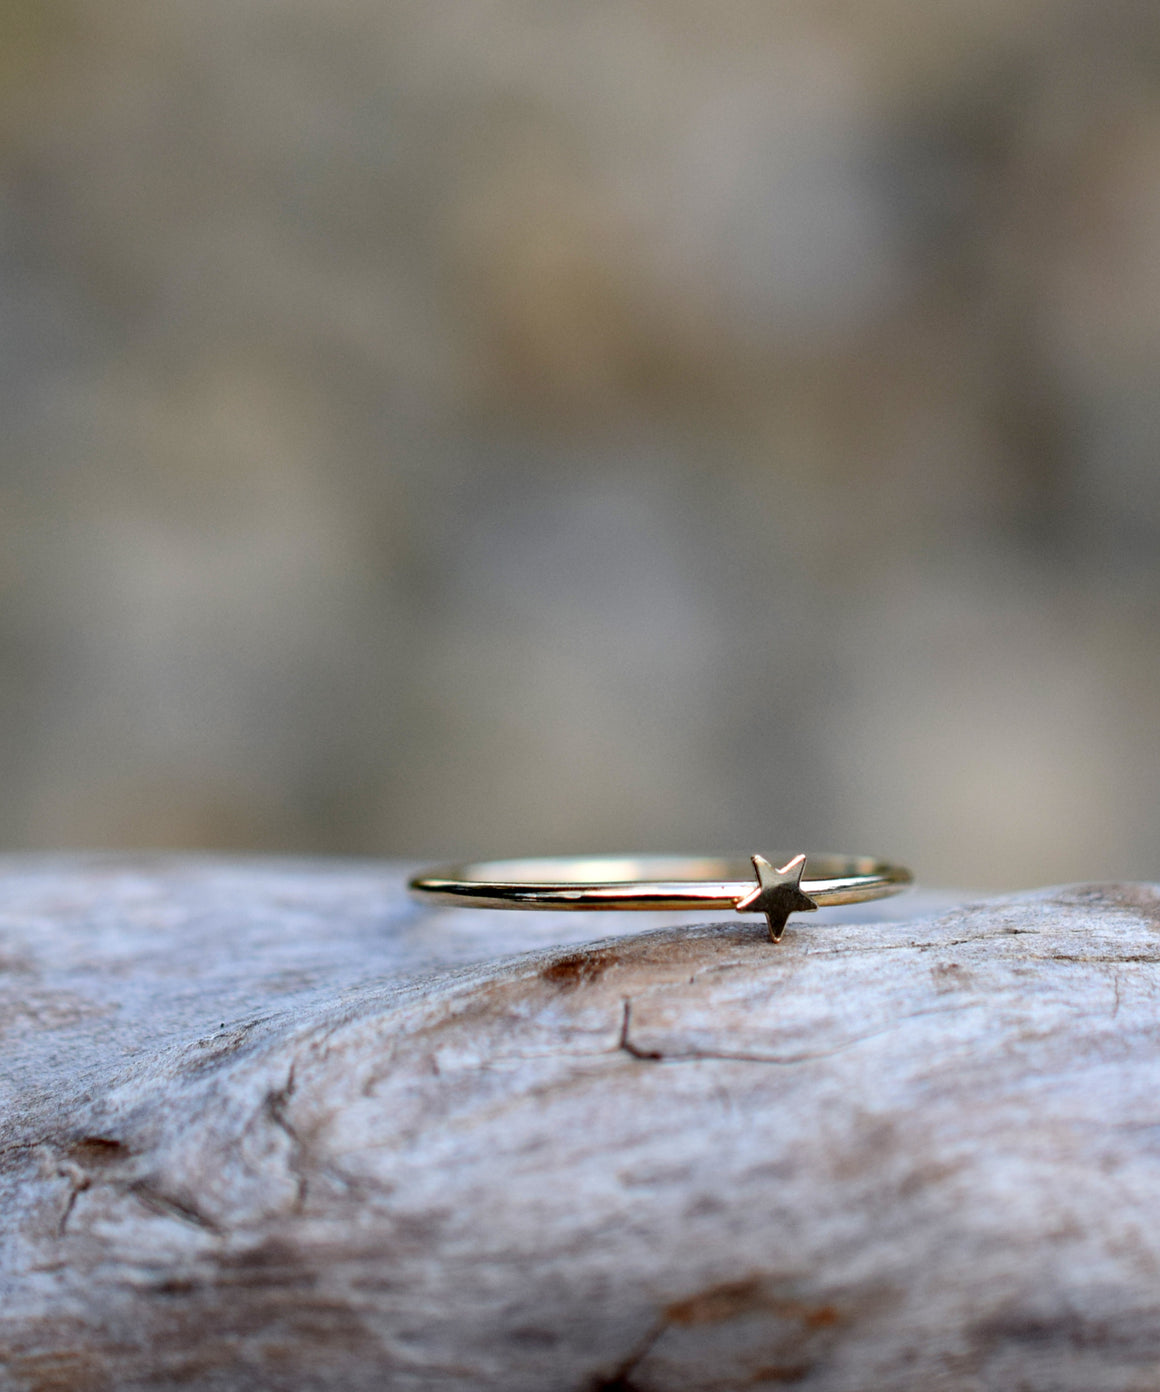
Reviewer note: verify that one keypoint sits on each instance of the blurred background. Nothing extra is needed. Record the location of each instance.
(545, 425)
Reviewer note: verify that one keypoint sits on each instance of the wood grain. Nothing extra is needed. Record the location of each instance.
(266, 1125)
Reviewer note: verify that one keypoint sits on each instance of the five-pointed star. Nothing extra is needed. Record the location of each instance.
(777, 893)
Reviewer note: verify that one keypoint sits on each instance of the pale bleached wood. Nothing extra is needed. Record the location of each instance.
(268, 1126)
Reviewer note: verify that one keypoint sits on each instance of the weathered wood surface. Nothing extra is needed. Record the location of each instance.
(268, 1126)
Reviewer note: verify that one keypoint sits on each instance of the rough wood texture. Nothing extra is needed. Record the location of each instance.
(267, 1126)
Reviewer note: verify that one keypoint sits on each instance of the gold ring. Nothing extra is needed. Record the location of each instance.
(664, 882)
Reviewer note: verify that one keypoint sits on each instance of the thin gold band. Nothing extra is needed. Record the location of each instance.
(659, 882)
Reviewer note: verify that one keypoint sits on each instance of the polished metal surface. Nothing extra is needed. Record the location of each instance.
(664, 882)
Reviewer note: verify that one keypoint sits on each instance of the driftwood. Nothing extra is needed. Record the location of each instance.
(269, 1126)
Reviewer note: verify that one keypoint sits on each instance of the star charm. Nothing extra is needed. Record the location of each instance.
(777, 893)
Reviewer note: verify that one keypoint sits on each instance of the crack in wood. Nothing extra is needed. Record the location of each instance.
(620, 1380)
(276, 1106)
(76, 1188)
(167, 1205)
(806, 1056)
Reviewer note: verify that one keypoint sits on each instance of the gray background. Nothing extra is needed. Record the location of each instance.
(449, 428)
